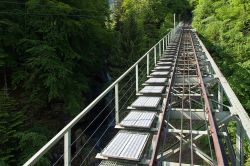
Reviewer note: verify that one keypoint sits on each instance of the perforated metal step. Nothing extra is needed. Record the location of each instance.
(156, 81)
(163, 68)
(138, 119)
(115, 163)
(167, 59)
(146, 102)
(160, 73)
(126, 145)
(165, 63)
(152, 89)
(176, 164)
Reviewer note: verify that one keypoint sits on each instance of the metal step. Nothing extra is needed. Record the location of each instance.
(146, 102)
(167, 59)
(164, 163)
(172, 51)
(158, 81)
(138, 119)
(126, 145)
(165, 63)
(152, 90)
(163, 68)
(115, 163)
(168, 55)
(159, 74)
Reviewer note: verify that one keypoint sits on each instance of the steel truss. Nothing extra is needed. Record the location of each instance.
(198, 111)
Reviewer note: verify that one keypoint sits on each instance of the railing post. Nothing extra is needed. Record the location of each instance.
(67, 148)
(136, 79)
(163, 45)
(147, 63)
(116, 103)
(166, 41)
(172, 34)
(174, 22)
(159, 48)
(155, 54)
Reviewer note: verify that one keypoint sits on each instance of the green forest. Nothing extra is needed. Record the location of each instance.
(225, 29)
(57, 56)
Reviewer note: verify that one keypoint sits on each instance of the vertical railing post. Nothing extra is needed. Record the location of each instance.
(116, 103)
(67, 148)
(136, 79)
(174, 22)
(159, 48)
(147, 64)
(171, 35)
(155, 55)
(166, 41)
(163, 45)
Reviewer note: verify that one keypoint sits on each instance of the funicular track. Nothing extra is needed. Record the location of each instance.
(175, 117)
(181, 97)
(189, 96)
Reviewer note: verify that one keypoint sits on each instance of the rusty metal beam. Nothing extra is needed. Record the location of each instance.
(164, 109)
(208, 110)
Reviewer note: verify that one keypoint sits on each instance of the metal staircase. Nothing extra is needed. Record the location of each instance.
(172, 107)
(138, 131)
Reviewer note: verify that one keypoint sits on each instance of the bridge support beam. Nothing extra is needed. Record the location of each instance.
(239, 144)
(229, 145)
(220, 97)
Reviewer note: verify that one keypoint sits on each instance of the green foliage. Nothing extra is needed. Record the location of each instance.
(51, 52)
(28, 143)
(140, 24)
(225, 27)
(11, 121)
(53, 55)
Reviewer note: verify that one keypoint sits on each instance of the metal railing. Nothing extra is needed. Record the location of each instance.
(65, 133)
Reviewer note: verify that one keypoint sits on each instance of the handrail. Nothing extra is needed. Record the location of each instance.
(65, 132)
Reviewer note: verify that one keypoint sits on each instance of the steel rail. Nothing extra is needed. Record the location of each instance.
(183, 92)
(191, 120)
(155, 149)
(206, 124)
(213, 130)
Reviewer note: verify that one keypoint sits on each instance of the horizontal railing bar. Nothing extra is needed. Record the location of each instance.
(68, 127)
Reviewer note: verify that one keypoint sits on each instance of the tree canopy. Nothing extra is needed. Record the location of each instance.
(55, 57)
(224, 26)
